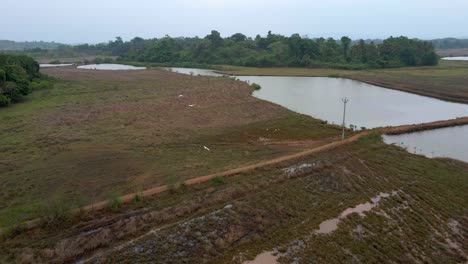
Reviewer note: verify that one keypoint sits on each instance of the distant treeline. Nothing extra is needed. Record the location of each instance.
(15, 45)
(450, 43)
(19, 75)
(272, 50)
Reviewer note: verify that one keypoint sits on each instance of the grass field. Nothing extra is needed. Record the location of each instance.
(446, 81)
(99, 134)
(278, 208)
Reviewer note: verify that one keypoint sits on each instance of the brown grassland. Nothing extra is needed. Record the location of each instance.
(98, 134)
(228, 220)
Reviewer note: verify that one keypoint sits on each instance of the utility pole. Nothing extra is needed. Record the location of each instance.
(345, 101)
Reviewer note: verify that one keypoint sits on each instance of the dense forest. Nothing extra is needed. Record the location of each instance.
(19, 75)
(273, 50)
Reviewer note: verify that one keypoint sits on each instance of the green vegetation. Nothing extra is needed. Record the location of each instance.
(114, 202)
(272, 50)
(256, 86)
(218, 180)
(19, 75)
(28, 45)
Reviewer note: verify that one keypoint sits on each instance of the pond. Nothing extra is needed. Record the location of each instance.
(456, 58)
(369, 106)
(449, 142)
(110, 67)
(47, 65)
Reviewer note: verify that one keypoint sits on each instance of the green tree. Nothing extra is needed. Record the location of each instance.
(215, 38)
(346, 42)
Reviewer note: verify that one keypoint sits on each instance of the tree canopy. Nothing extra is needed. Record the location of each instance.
(272, 50)
(19, 74)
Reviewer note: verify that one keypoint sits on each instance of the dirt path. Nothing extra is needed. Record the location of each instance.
(199, 180)
(206, 178)
(426, 126)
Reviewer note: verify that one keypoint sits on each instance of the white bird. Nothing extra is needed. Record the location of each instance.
(181, 95)
(191, 105)
(206, 148)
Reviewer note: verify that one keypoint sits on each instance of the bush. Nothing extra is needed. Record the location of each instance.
(114, 202)
(40, 84)
(218, 180)
(56, 212)
(256, 86)
(4, 101)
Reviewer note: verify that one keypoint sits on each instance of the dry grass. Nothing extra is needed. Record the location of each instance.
(274, 207)
(102, 132)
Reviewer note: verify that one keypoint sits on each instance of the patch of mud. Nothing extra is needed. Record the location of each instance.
(331, 225)
(299, 169)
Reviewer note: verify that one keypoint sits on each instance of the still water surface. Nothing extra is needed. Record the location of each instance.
(456, 58)
(369, 106)
(449, 142)
(47, 65)
(110, 67)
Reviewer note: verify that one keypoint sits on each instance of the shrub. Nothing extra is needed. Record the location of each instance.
(218, 180)
(256, 86)
(4, 101)
(56, 212)
(39, 84)
(114, 202)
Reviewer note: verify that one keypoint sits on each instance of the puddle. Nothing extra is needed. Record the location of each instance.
(267, 257)
(331, 225)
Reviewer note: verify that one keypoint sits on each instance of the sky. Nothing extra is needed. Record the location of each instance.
(94, 21)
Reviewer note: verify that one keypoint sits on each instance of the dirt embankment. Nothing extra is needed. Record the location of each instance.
(425, 126)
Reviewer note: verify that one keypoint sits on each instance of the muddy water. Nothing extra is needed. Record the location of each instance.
(110, 67)
(456, 58)
(369, 106)
(449, 142)
(331, 225)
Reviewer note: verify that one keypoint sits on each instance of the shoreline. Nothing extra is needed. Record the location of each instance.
(375, 83)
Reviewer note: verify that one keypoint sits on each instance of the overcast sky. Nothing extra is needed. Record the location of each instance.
(92, 21)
